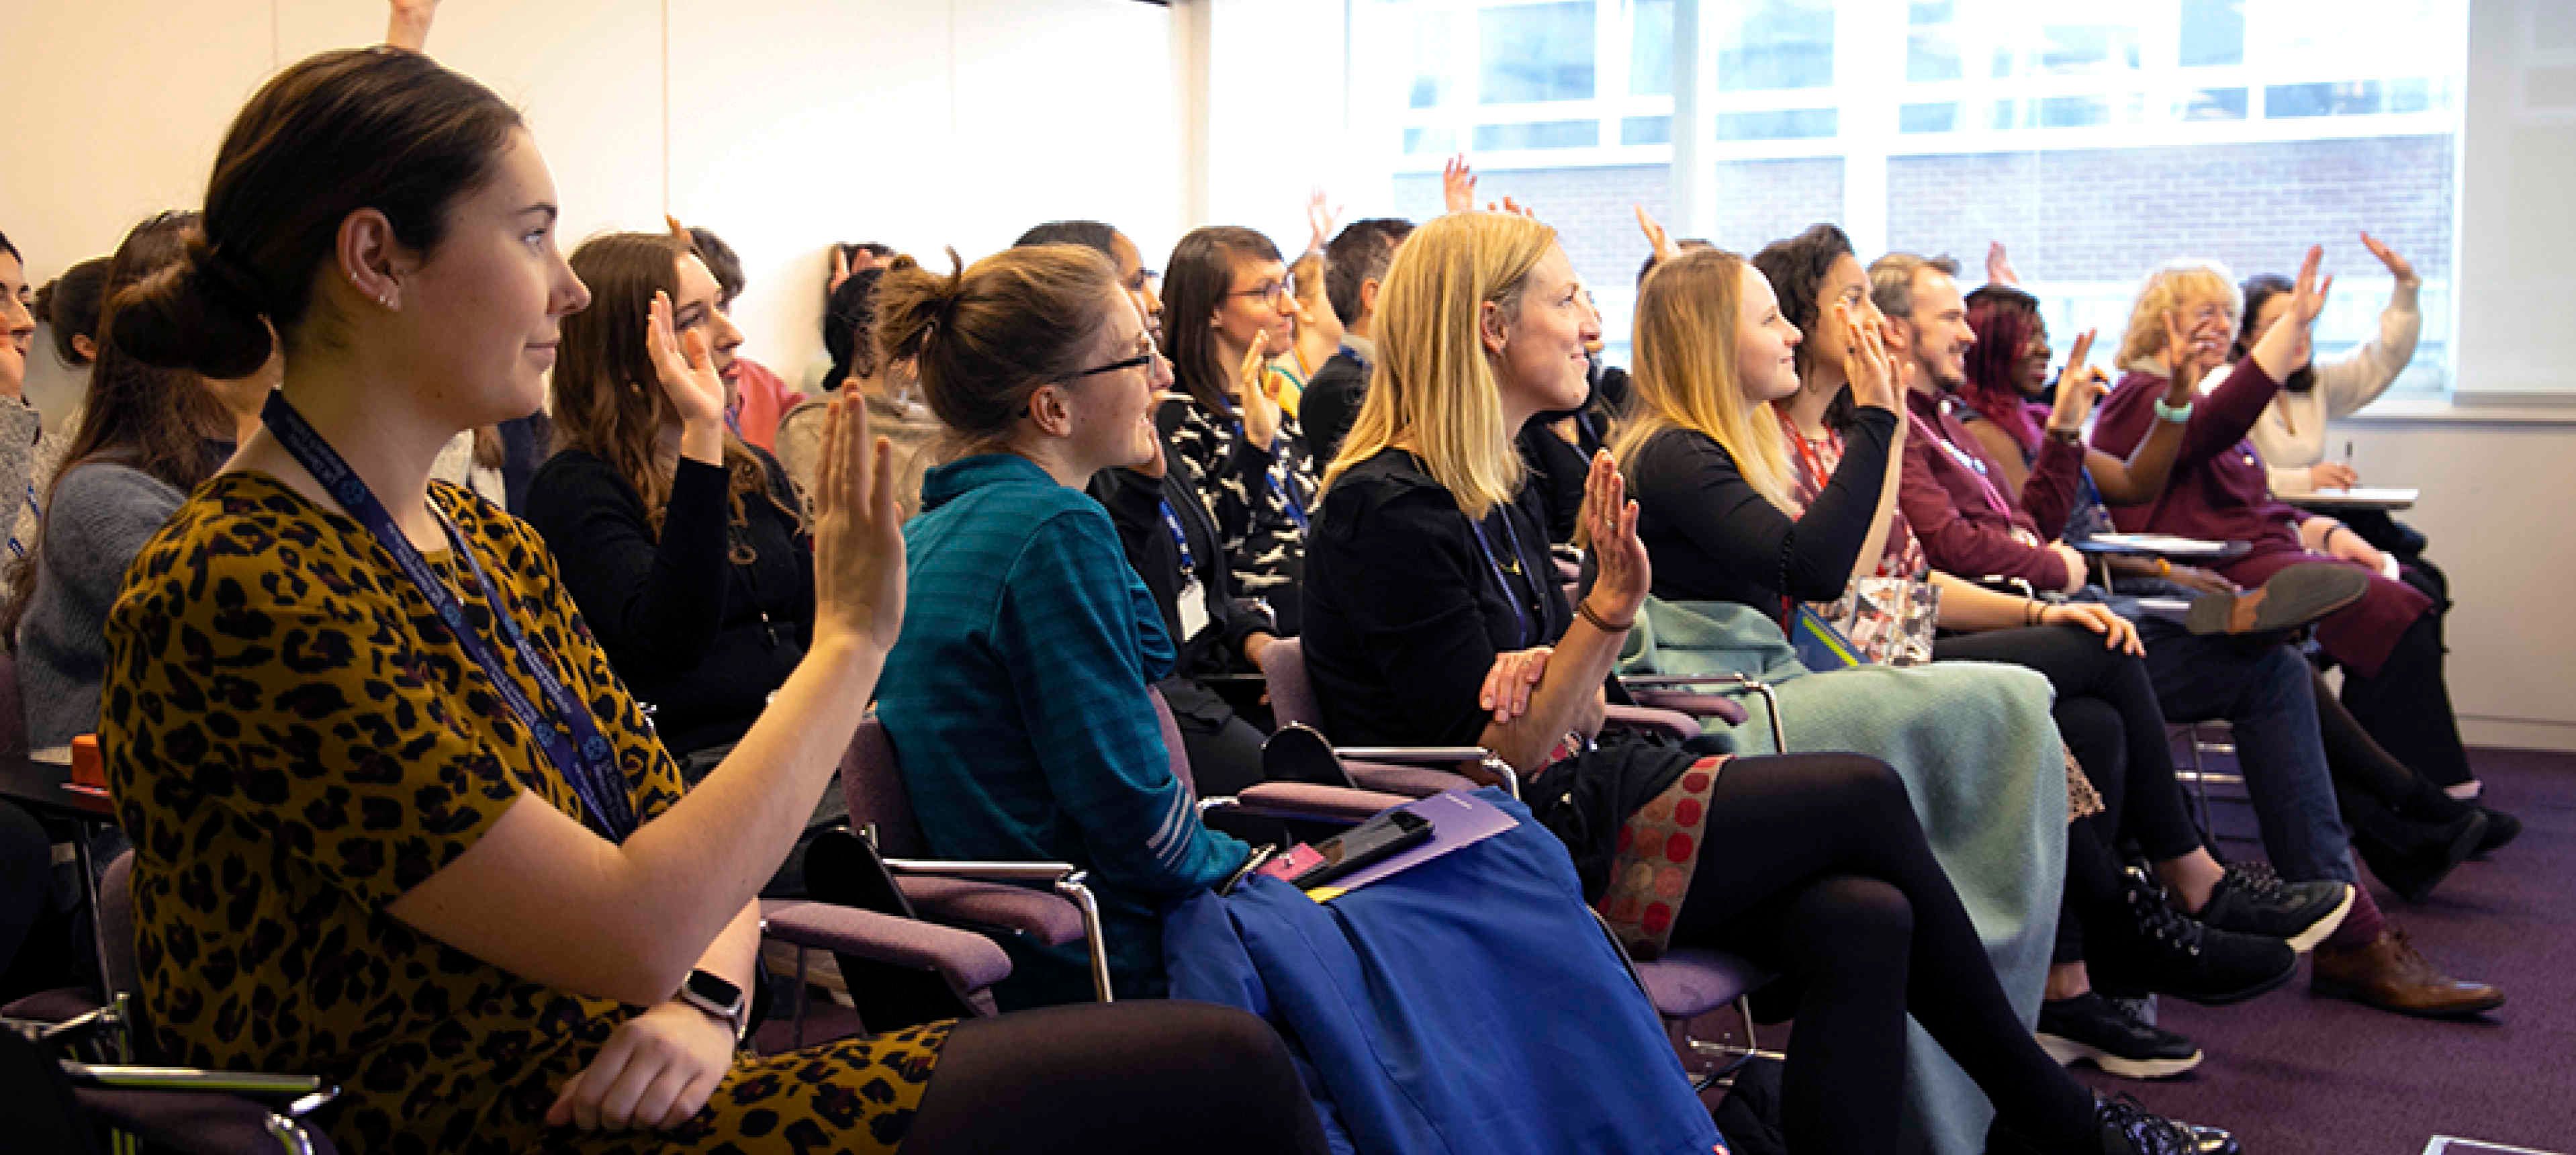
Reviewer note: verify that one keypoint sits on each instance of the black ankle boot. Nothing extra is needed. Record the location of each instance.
(2412, 857)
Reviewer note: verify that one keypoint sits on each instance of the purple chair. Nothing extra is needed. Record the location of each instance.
(967, 963)
(985, 895)
(1294, 800)
(183, 1109)
(1413, 771)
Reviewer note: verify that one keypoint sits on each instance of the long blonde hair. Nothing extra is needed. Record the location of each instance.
(1433, 385)
(2165, 291)
(1684, 376)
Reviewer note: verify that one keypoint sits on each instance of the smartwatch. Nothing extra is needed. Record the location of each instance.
(718, 997)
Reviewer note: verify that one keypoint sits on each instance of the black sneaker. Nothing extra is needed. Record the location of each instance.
(2250, 899)
(2151, 947)
(2120, 1127)
(2130, 1129)
(2090, 1028)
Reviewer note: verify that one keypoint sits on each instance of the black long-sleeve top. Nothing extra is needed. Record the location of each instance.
(1713, 537)
(703, 638)
(1135, 503)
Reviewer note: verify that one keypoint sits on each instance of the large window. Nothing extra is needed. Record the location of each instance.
(2095, 138)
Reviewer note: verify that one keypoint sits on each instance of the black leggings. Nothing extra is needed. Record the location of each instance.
(2362, 767)
(1149, 1076)
(1813, 864)
(2106, 710)
(26, 878)
(2407, 708)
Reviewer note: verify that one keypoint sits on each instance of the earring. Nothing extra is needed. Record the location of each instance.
(386, 298)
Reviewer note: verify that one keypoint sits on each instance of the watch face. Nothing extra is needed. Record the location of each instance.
(714, 989)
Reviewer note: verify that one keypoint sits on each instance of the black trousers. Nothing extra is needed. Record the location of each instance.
(1814, 865)
(2106, 710)
(2407, 705)
(1150, 1077)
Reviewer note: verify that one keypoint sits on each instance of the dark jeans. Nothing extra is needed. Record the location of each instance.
(1814, 864)
(2266, 692)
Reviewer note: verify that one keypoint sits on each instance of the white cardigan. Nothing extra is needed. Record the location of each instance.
(2291, 433)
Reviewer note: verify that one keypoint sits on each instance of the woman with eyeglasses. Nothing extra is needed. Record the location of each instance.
(1229, 305)
(1016, 697)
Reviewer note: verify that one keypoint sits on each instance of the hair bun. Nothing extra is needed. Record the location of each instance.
(203, 312)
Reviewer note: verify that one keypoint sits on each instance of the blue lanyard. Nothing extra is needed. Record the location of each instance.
(16, 547)
(1180, 539)
(584, 757)
(1521, 630)
(1285, 491)
(1288, 496)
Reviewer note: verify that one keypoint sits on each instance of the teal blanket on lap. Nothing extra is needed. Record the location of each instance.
(1981, 761)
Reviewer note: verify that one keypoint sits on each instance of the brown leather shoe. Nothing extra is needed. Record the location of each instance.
(2387, 973)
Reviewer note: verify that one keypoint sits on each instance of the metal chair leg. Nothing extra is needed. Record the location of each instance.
(1072, 887)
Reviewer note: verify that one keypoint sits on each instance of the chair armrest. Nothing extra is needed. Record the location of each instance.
(1652, 719)
(1686, 682)
(1484, 759)
(191, 1079)
(1410, 781)
(1308, 801)
(987, 871)
(969, 961)
(1696, 703)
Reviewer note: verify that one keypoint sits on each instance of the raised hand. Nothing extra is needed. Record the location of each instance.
(2078, 388)
(1999, 268)
(2398, 267)
(858, 532)
(1457, 185)
(1867, 364)
(1320, 215)
(1657, 240)
(1609, 524)
(408, 24)
(1252, 394)
(1511, 206)
(2284, 348)
(844, 264)
(686, 370)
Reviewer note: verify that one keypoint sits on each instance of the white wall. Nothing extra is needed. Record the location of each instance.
(783, 125)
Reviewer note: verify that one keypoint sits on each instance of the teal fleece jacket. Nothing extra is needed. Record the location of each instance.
(1016, 703)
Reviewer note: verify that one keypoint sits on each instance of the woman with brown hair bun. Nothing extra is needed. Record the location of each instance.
(464, 879)
(147, 436)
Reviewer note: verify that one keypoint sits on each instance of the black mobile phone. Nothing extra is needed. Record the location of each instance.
(1369, 842)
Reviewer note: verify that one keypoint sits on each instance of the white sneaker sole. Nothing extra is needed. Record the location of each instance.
(2307, 940)
(2069, 1052)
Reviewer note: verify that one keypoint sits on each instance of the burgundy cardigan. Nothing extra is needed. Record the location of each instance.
(1944, 499)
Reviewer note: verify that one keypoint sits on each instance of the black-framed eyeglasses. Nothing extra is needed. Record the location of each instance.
(1136, 361)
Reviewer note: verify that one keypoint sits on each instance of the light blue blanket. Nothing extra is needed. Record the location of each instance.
(1981, 761)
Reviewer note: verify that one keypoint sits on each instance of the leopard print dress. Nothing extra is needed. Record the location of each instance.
(293, 743)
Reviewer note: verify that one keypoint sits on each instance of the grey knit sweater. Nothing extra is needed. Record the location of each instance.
(99, 518)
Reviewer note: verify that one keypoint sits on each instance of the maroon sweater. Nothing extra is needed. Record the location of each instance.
(1943, 492)
(2220, 490)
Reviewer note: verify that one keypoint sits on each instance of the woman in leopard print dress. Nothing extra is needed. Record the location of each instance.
(364, 850)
